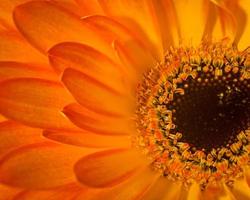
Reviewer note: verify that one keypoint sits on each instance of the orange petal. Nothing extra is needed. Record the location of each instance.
(134, 56)
(108, 168)
(6, 8)
(95, 95)
(241, 190)
(90, 8)
(99, 123)
(165, 13)
(65, 192)
(89, 61)
(137, 16)
(14, 135)
(88, 139)
(191, 19)
(132, 189)
(35, 102)
(45, 24)
(14, 48)
(163, 188)
(40, 166)
(245, 39)
(8, 193)
(10, 70)
(247, 176)
(112, 30)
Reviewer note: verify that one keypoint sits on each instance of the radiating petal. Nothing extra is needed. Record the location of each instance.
(108, 168)
(132, 189)
(88, 139)
(6, 8)
(68, 192)
(134, 56)
(137, 16)
(245, 39)
(45, 24)
(163, 189)
(241, 190)
(112, 30)
(15, 48)
(35, 102)
(89, 61)
(92, 8)
(99, 123)
(14, 135)
(40, 165)
(95, 95)
(191, 25)
(8, 193)
(10, 70)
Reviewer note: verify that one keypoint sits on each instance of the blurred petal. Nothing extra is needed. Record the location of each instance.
(134, 56)
(14, 135)
(245, 39)
(132, 189)
(99, 123)
(68, 192)
(15, 48)
(44, 24)
(137, 16)
(241, 190)
(35, 102)
(10, 70)
(95, 95)
(163, 188)
(88, 139)
(108, 168)
(40, 166)
(8, 193)
(89, 61)
(92, 8)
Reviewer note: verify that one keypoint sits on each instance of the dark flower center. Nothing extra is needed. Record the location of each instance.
(212, 112)
(193, 114)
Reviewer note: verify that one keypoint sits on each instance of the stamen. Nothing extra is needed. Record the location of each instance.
(193, 114)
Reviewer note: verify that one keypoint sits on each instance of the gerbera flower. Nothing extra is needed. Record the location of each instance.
(124, 99)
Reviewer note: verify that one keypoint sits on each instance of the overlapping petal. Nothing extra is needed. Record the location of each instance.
(31, 166)
(108, 168)
(35, 102)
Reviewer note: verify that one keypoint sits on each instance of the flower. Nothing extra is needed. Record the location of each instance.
(124, 99)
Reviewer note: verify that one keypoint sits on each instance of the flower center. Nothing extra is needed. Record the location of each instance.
(193, 114)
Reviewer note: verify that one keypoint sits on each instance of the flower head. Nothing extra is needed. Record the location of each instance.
(124, 99)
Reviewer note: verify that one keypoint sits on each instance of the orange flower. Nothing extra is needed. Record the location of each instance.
(124, 99)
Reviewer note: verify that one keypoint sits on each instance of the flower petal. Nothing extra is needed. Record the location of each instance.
(191, 25)
(8, 193)
(90, 8)
(40, 165)
(95, 95)
(241, 190)
(88, 139)
(108, 168)
(99, 123)
(131, 189)
(10, 70)
(163, 189)
(134, 56)
(65, 192)
(35, 102)
(137, 16)
(15, 48)
(45, 24)
(14, 135)
(89, 61)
